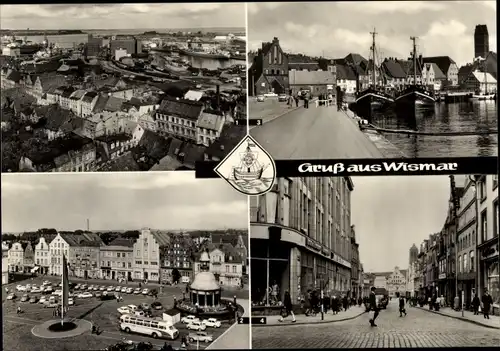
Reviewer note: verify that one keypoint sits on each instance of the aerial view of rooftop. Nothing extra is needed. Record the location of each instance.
(118, 87)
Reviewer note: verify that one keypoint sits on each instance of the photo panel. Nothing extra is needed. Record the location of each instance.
(375, 262)
(123, 261)
(373, 80)
(121, 87)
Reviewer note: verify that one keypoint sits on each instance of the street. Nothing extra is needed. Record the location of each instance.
(314, 133)
(418, 329)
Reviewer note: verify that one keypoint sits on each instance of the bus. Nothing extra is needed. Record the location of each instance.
(148, 326)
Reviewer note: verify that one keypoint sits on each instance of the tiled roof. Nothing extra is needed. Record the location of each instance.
(89, 96)
(438, 74)
(77, 94)
(162, 239)
(101, 103)
(50, 80)
(210, 121)
(310, 78)
(83, 240)
(67, 91)
(73, 124)
(124, 163)
(393, 68)
(355, 59)
(230, 136)
(299, 58)
(407, 66)
(55, 116)
(443, 62)
(175, 147)
(304, 66)
(345, 72)
(114, 104)
(181, 108)
(465, 71)
(168, 163)
(120, 242)
(193, 95)
(192, 154)
(155, 145)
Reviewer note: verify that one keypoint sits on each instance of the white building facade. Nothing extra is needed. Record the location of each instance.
(42, 256)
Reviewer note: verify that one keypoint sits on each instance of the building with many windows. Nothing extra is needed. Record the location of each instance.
(301, 237)
(5, 263)
(116, 260)
(146, 255)
(225, 263)
(16, 257)
(178, 255)
(42, 254)
(179, 118)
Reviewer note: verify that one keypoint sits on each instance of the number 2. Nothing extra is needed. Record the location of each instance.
(241, 320)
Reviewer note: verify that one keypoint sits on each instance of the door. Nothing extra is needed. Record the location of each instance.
(145, 275)
(129, 276)
(113, 275)
(85, 274)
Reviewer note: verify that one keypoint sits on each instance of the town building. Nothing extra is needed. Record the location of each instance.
(316, 82)
(345, 77)
(269, 70)
(300, 236)
(178, 118)
(130, 44)
(412, 268)
(208, 128)
(75, 104)
(225, 263)
(480, 82)
(16, 257)
(178, 255)
(481, 41)
(396, 282)
(81, 251)
(394, 74)
(447, 66)
(94, 46)
(42, 254)
(467, 241)
(431, 265)
(116, 260)
(146, 262)
(88, 103)
(355, 266)
(488, 242)
(432, 76)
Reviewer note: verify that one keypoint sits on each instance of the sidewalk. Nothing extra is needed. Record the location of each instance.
(351, 313)
(271, 108)
(236, 336)
(493, 322)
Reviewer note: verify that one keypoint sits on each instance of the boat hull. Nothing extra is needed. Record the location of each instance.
(414, 97)
(203, 54)
(484, 97)
(370, 101)
(248, 176)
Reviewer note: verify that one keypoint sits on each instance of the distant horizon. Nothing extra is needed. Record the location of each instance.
(124, 230)
(107, 29)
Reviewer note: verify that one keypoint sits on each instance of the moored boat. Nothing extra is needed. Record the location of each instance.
(249, 168)
(204, 54)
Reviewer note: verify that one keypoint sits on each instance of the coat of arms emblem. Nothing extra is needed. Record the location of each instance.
(248, 168)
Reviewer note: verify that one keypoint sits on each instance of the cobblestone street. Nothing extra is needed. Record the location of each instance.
(418, 329)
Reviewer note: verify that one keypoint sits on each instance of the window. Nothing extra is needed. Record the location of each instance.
(460, 269)
(227, 268)
(466, 263)
(484, 227)
(234, 269)
(129, 265)
(267, 71)
(138, 252)
(138, 262)
(482, 188)
(471, 257)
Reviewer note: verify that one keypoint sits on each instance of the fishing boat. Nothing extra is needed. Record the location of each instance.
(205, 54)
(249, 167)
(372, 98)
(415, 95)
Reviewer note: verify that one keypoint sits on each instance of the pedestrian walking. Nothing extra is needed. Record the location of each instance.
(402, 309)
(296, 98)
(487, 301)
(287, 303)
(345, 303)
(475, 304)
(373, 306)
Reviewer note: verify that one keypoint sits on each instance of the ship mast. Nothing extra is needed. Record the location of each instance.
(485, 78)
(414, 60)
(374, 76)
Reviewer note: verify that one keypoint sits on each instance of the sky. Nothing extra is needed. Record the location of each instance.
(333, 30)
(120, 201)
(390, 214)
(122, 16)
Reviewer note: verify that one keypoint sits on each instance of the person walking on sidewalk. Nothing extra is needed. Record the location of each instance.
(373, 306)
(475, 304)
(402, 309)
(287, 303)
(487, 301)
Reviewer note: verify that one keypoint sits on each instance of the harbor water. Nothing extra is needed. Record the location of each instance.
(209, 63)
(473, 116)
(67, 41)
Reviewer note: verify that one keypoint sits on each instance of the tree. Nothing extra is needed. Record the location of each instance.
(8, 237)
(176, 276)
(131, 234)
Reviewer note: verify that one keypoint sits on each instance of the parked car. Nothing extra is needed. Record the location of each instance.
(282, 97)
(85, 295)
(200, 336)
(46, 282)
(137, 291)
(102, 288)
(123, 310)
(43, 299)
(34, 299)
(36, 289)
(124, 289)
(51, 305)
(83, 287)
(211, 322)
(20, 287)
(78, 286)
(58, 293)
(11, 296)
(130, 290)
(260, 98)
(98, 294)
(71, 301)
(119, 288)
(132, 308)
(110, 288)
(25, 298)
(95, 288)
(48, 290)
(145, 291)
(189, 319)
(196, 325)
(156, 305)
